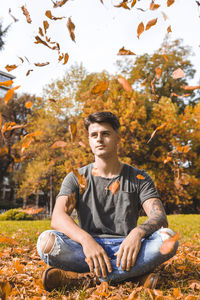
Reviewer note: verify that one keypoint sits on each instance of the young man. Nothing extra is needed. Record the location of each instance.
(107, 195)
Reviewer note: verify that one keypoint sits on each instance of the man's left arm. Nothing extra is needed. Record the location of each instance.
(130, 247)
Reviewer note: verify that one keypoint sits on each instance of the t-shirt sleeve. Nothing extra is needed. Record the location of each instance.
(69, 185)
(147, 188)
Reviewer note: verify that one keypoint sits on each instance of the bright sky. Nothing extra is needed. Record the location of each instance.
(101, 30)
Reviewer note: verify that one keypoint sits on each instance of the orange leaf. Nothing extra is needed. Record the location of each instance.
(167, 159)
(59, 144)
(139, 176)
(26, 13)
(41, 64)
(123, 4)
(158, 72)
(82, 181)
(169, 29)
(18, 266)
(165, 17)
(140, 29)
(59, 3)
(125, 84)
(176, 293)
(158, 128)
(170, 2)
(10, 94)
(182, 96)
(49, 15)
(6, 83)
(154, 6)
(71, 28)
(133, 3)
(41, 31)
(73, 130)
(168, 245)
(190, 88)
(151, 23)
(46, 26)
(114, 187)
(66, 57)
(178, 73)
(100, 87)
(26, 145)
(10, 67)
(123, 51)
(82, 144)
(28, 104)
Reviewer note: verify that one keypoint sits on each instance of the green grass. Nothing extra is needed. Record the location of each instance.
(186, 225)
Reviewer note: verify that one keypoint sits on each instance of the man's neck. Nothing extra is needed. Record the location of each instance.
(107, 168)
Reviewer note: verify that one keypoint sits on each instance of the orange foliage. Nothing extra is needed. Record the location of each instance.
(123, 51)
(140, 29)
(114, 187)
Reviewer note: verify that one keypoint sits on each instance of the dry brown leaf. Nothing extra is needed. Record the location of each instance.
(28, 72)
(169, 29)
(18, 266)
(190, 88)
(170, 2)
(6, 83)
(158, 72)
(71, 28)
(10, 94)
(28, 104)
(10, 67)
(114, 187)
(41, 31)
(178, 73)
(59, 3)
(139, 176)
(151, 23)
(168, 245)
(59, 144)
(169, 158)
(26, 13)
(140, 29)
(46, 26)
(82, 181)
(158, 128)
(123, 4)
(125, 84)
(154, 6)
(66, 58)
(48, 14)
(15, 19)
(100, 87)
(73, 130)
(165, 17)
(181, 96)
(123, 51)
(41, 64)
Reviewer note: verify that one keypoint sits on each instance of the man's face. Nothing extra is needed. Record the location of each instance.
(103, 139)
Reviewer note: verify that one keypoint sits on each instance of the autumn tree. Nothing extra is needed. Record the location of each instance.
(2, 35)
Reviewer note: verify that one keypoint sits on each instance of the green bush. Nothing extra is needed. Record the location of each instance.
(15, 214)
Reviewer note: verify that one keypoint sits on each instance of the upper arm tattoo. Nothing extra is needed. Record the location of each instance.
(156, 218)
(70, 203)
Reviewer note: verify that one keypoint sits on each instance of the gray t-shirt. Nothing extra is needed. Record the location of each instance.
(102, 212)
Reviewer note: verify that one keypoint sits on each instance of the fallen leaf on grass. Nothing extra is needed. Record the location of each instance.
(168, 245)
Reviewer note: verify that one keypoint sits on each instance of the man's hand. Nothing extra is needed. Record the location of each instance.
(129, 249)
(96, 257)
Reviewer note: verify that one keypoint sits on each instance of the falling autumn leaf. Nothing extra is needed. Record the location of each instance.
(125, 84)
(181, 96)
(123, 51)
(139, 176)
(170, 2)
(133, 3)
(71, 28)
(169, 158)
(100, 87)
(10, 94)
(114, 187)
(178, 73)
(73, 130)
(59, 3)
(26, 13)
(190, 88)
(6, 83)
(158, 72)
(28, 104)
(48, 14)
(66, 57)
(154, 6)
(169, 29)
(151, 23)
(41, 64)
(59, 144)
(165, 17)
(168, 245)
(46, 26)
(123, 4)
(10, 67)
(82, 181)
(41, 31)
(28, 72)
(158, 128)
(140, 29)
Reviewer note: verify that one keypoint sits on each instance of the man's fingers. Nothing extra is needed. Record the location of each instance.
(129, 260)
(97, 267)
(103, 266)
(90, 264)
(124, 259)
(108, 263)
(119, 256)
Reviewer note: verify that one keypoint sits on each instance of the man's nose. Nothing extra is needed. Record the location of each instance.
(99, 137)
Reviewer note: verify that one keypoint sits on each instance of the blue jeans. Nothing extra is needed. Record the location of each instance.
(68, 255)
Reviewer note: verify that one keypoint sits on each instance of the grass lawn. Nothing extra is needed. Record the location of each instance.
(21, 268)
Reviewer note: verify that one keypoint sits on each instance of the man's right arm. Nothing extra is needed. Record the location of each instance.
(61, 221)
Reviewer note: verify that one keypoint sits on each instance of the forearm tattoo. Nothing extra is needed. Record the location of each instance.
(156, 220)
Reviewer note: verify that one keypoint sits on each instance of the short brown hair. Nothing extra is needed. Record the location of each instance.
(102, 117)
